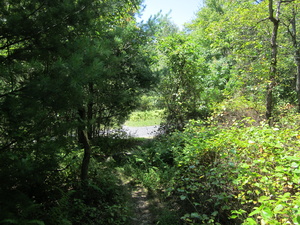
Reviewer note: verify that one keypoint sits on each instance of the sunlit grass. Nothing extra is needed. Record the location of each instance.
(145, 118)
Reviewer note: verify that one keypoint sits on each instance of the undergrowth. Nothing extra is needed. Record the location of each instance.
(243, 173)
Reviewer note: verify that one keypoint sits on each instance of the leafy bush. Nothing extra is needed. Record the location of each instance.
(152, 166)
(101, 201)
(236, 109)
(239, 175)
(149, 102)
(47, 190)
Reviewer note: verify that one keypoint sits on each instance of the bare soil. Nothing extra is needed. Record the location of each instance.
(142, 212)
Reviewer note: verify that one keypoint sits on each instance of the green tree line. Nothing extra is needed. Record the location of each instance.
(232, 48)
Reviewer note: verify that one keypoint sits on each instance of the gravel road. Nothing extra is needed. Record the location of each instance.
(143, 132)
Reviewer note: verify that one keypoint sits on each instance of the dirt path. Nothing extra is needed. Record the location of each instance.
(139, 202)
(142, 212)
(142, 205)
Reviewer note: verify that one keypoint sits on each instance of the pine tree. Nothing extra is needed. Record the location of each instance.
(66, 68)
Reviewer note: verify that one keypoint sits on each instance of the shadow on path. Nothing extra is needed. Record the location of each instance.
(142, 214)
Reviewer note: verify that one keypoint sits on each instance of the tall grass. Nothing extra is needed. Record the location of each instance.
(145, 118)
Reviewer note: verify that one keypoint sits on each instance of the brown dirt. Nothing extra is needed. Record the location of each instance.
(142, 212)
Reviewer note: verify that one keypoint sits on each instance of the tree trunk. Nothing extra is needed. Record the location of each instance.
(273, 65)
(84, 143)
(297, 60)
(86, 156)
(293, 33)
(90, 112)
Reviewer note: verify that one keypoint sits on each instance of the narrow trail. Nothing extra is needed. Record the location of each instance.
(142, 212)
(142, 205)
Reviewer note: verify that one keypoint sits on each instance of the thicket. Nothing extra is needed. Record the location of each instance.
(229, 85)
(234, 173)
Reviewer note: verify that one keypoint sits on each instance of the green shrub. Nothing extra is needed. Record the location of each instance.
(153, 164)
(149, 102)
(102, 201)
(231, 111)
(239, 174)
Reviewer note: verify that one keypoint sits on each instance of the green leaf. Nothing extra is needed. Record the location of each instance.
(256, 211)
(233, 216)
(183, 197)
(294, 165)
(251, 221)
(292, 158)
(238, 212)
(278, 208)
(267, 213)
(298, 219)
(180, 190)
(263, 198)
(286, 195)
(215, 213)
(195, 215)
(244, 165)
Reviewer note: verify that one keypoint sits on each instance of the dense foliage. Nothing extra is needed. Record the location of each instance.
(69, 70)
(236, 68)
(231, 48)
(228, 87)
(218, 174)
